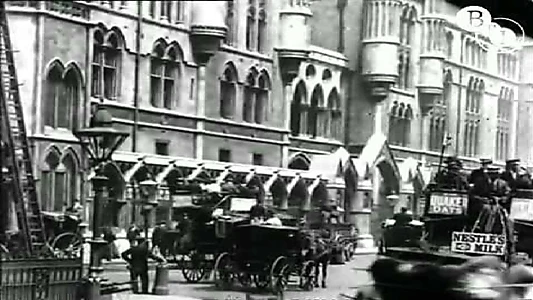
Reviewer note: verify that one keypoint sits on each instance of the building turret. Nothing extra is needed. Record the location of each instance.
(431, 76)
(381, 32)
(294, 37)
(208, 28)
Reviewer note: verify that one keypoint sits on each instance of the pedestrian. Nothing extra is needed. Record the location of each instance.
(110, 238)
(137, 258)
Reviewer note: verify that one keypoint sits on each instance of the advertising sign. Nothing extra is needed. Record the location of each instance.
(479, 243)
(522, 209)
(448, 204)
(181, 200)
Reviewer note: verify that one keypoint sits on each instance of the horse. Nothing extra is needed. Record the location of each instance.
(479, 278)
(319, 251)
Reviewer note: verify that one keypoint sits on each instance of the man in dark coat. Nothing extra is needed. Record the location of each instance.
(137, 258)
(402, 218)
(258, 213)
(480, 179)
(511, 172)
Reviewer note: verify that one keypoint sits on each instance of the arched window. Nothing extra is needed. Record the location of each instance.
(251, 25)
(261, 100)
(317, 99)
(298, 109)
(62, 98)
(334, 104)
(250, 91)
(449, 44)
(505, 104)
(472, 122)
(407, 23)
(105, 63)
(262, 27)
(447, 88)
(53, 100)
(230, 22)
(228, 91)
(70, 179)
(51, 185)
(164, 70)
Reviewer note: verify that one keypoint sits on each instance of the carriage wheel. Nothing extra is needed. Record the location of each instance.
(261, 281)
(280, 281)
(279, 274)
(307, 275)
(222, 271)
(245, 279)
(68, 244)
(193, 269)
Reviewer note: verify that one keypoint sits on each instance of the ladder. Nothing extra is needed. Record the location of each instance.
(20, 170)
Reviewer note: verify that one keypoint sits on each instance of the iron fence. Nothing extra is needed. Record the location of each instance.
(40, 278)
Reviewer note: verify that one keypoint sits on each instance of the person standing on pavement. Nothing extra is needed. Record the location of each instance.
(137, 258)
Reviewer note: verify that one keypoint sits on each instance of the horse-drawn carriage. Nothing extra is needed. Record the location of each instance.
(459, 220)
(63, 232)
(267, 256)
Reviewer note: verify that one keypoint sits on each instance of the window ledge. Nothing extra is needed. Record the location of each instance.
(315, 140)
(251, 54)
(403, 92)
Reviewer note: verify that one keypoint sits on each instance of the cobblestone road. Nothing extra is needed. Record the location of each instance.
(342, 279)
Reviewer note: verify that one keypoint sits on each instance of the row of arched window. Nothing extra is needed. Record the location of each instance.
(475, 92)
(255, 93)
(256, 25)
(316, 118)
(165, 74)
(165, 11)
(505, 104)
(400, 117)
(475, 55)
(439, 115)
(61, 98)
(407, 24)
(507, 64)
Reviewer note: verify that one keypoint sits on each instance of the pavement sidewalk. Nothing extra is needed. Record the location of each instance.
(149, 297)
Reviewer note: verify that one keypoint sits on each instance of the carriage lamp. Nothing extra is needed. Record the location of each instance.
(148, 191)
(99, 141)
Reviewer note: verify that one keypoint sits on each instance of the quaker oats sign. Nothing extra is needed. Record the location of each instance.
(448, 204)
(479, 243)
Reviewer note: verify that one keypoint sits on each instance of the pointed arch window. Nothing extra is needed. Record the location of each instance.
(250, 92)
(164, 69)
(251, 25)
(230, 22)
(471, 126)
(505, 104)
(62, 92)
(335, 112)
(228, 92)
(407, 23)
(313, 117)
(59, 177)
(262, 26)
(262, 99)
(299, 109)
(449, 44)
(107, 49)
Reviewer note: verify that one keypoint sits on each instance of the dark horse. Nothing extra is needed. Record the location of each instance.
(319, 251)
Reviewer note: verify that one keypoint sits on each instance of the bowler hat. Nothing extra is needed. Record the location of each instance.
(512, 161)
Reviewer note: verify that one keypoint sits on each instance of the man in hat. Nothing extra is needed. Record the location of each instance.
(511, 175)
(451, 177)
(480, 179)
(137, 258)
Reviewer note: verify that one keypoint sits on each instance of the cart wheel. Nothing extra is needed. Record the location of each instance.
(261, 281)
(245, 279)
(222, 271)
(307, 275)
(193, 269)
(68, 244)
(280, 281)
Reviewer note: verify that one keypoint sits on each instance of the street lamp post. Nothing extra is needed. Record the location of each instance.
(148, 190)
(100, 140)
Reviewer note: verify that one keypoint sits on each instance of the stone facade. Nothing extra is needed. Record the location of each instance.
(277, 84)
